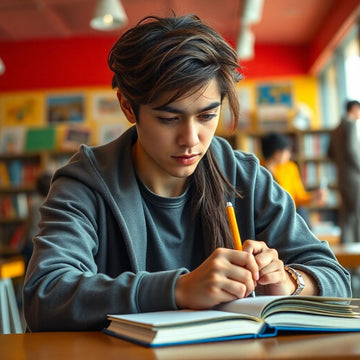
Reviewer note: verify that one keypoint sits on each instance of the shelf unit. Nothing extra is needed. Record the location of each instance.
(308, 147)
(309, 151)
(18, 174)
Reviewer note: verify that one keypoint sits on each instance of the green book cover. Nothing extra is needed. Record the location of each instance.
(40, 139)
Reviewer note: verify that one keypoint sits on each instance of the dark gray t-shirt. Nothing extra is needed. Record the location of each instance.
(174, 236)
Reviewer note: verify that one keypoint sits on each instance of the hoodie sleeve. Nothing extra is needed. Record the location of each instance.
(280, 227)
(75, 277)
(266, 212)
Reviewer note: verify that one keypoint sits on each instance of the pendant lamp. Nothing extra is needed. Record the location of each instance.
(109, 15)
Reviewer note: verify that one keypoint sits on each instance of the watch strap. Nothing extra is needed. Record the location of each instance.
(298, 278)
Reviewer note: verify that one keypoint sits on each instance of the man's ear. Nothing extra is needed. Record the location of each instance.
(126, 107)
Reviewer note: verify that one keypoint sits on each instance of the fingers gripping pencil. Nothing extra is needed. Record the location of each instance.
(230, 212)
(233, 226)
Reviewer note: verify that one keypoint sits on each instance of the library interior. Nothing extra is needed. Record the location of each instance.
(300, 63)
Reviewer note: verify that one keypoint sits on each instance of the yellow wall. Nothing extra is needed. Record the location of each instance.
(29, 109)
(32, 106)
(305, 91)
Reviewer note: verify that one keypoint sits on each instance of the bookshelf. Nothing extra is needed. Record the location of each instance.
(309, 151)
(18, 174)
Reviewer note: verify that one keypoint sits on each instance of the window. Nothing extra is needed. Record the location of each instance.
(352, 69)
(340, 80)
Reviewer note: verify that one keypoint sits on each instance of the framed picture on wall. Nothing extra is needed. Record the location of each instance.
(23, 109)
(105, 106)
(274, 104)
(65, 109)
(12, 139)
(74, 137)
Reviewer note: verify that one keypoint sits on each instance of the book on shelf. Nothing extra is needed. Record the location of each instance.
(263, 316)
(19, 173)
(14, 206)
(4, 174)
(21, 205)
(313, 173)
(7, 209)
(316, 145)
(15, 168)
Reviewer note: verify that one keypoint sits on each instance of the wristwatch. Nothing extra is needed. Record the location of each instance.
(298, 278)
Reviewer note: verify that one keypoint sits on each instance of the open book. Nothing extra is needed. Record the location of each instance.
(262, 316)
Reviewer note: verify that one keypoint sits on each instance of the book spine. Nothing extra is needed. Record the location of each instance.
(4, 175)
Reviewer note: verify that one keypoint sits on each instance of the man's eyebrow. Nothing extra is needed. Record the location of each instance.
(171, 109)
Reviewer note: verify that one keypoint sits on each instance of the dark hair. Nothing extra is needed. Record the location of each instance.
(350, 104)
(272, 142)
(180, 55)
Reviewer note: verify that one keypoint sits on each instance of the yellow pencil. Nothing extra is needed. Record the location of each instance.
(230, 212)
(233, 226)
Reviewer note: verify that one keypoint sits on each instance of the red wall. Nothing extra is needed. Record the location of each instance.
(274, 60)
(55, 63)
(83, 62)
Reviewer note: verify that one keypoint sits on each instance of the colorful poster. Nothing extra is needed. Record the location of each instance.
(274, 105)
(62, 109)
(23, 109)
(12, 139)
(106, 106)
(74, 137)
(275, 94)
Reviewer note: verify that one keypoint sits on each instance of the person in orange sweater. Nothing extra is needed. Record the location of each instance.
(276, 151)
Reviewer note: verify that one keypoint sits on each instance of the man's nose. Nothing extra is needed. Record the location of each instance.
(189, 133)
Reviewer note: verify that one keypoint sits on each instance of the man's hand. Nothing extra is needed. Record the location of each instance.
(224, 276)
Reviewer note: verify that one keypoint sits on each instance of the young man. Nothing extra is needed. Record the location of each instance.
(140, 224)
(344, 150)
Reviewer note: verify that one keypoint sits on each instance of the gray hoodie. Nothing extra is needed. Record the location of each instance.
(90, 258)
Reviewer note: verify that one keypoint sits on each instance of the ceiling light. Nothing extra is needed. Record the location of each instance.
(109, 15)
(252, 11)
(245, 44)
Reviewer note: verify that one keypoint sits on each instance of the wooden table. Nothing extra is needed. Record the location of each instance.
(348, 255)
(97, 345)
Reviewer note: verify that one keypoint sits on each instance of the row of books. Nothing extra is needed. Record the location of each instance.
(314, 174)
(14, 206)
(18, 172)
(316, 145)
(11, 237)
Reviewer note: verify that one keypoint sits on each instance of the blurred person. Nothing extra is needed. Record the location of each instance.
(276, 151)
(344, 150)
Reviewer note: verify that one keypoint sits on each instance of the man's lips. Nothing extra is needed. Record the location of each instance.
(186, 159)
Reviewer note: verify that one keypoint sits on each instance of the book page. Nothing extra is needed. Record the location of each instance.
(311, 321)
(250, 305)
(263, 306)
(160, 319)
